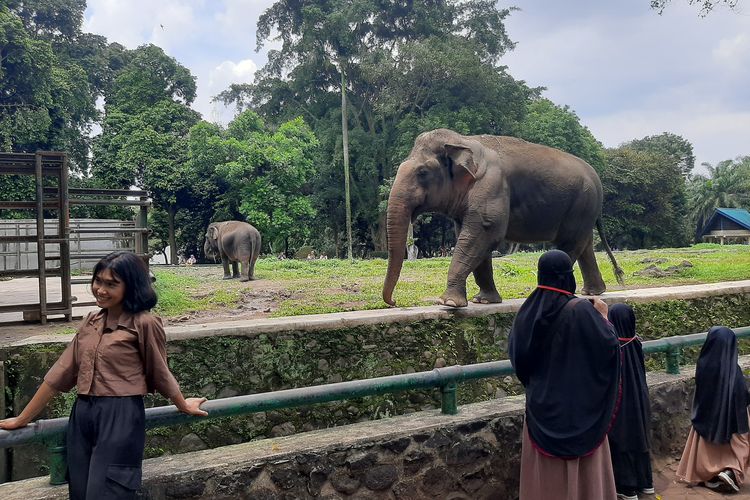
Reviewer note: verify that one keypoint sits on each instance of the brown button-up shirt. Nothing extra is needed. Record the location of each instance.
(123, 356)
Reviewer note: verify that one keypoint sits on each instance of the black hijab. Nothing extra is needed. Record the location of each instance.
(567, 357)
(540, 310)
(630, 430)
(721, 397)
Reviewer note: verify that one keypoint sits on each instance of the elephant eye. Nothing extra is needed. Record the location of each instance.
(422, 173)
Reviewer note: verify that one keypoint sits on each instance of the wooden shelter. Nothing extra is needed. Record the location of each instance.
(727, 225)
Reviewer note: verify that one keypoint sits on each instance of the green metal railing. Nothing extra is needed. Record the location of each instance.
(672, 346)
(52, 432)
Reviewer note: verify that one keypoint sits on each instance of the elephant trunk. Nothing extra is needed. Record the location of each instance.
(397, 224)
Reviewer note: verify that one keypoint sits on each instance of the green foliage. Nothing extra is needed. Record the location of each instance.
(726, 186)
(408, 67)
(259, 175)
(144, 133)
(706, 6)
(559, 127)
(644, 199)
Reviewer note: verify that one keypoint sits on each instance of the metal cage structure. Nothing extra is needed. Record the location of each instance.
(52, 194)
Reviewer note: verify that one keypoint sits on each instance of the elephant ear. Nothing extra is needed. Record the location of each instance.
(463, 158)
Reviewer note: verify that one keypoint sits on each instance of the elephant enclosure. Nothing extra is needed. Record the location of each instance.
(197, 294)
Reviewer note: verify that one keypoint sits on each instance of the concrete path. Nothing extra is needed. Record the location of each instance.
(26, 291)
(667, 487)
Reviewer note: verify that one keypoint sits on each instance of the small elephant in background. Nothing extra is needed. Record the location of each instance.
(234, 242)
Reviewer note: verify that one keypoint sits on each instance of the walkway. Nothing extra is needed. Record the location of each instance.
(668, 488)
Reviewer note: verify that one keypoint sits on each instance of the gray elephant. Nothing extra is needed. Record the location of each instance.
(234, 242)
(495, 188)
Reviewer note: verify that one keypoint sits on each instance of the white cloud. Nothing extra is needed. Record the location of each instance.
(166, 23)
(716, 134)
(734, 52)
(629, 72)
(218, 79)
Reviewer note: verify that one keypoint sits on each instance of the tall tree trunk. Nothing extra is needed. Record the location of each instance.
(345, 139)
(172, 211)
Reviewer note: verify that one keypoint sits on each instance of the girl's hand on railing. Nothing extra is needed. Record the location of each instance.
(192, 407)
(13, 423)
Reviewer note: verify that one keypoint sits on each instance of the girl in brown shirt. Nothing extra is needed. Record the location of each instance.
(117, 356)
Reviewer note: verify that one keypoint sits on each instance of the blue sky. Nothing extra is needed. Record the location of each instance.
(625, 70)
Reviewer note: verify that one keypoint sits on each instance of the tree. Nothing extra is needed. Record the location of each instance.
(559, 127)
(269, 173)
(706, 6)
(726, 186)
(144, 134)
(643, 200)
(56, 77)
(409, 66)
(677, 148)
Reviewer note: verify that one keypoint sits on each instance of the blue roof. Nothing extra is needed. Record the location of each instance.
(738, 215)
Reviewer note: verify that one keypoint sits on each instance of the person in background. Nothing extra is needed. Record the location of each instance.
(117, 356)
(567, 356)
(717, 451)
(629, 436)
(191, 260)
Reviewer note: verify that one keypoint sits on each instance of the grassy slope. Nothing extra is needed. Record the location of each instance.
(338, 285)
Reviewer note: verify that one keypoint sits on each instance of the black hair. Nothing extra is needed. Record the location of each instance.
(132, 271)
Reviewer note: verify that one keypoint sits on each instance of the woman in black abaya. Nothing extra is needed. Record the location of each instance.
(629, 437)
(567, 355)
(717, 451)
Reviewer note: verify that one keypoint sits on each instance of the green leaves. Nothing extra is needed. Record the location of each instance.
(261, 175)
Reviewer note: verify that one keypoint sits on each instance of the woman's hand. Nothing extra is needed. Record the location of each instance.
(13, 423)
(600, 306)
(192, 407)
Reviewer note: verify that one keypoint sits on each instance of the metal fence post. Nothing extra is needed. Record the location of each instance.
(58, 466)
(673, 360)
(449, 402)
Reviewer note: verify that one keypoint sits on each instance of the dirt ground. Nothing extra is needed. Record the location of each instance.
(667, 487)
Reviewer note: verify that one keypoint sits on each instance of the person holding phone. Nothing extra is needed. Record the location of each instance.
(567, 356)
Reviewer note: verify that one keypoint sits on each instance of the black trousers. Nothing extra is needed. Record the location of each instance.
(105, 441)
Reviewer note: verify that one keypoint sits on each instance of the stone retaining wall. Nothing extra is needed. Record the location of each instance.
(472, 455)
(227, 359)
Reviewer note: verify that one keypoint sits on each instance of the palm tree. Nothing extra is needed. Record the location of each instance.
(727, 186)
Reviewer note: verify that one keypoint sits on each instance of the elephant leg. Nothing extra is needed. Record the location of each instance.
(251, 274)
(245, 270)
(488, 294)
(225, 264)
(235, 269)
(473, 246)
(583, 252)
(593, 283)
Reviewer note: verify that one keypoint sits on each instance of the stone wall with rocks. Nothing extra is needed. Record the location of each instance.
(222, 360)
(472, 455)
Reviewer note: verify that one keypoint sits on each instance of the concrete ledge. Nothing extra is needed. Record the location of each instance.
(335, 321)
(474, 454)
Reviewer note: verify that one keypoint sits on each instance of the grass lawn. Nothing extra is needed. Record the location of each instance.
(292, 287)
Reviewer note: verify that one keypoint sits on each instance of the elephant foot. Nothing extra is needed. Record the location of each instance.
(243, 279)
(593, 290)
(487, 298)
(452, 300)
(227, 277)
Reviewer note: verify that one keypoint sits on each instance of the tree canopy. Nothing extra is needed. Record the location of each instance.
(408, 67)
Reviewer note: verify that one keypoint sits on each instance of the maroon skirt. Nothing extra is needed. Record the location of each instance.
(702, 460)
(576, 479)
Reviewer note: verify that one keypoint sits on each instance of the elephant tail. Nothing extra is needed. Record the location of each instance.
(619, 274)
